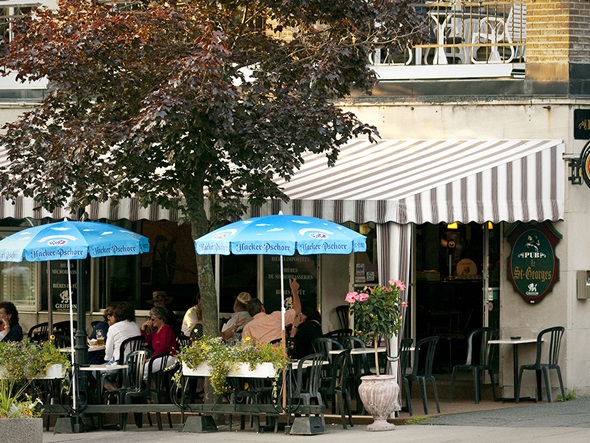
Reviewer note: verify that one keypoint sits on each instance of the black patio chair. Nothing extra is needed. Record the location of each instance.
(39, 333)
(422, 372)
(343, 313)
(553, 337)
(337, 391)
(479, 360)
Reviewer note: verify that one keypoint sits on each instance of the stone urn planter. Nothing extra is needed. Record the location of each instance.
(28, 430)
(379, 395)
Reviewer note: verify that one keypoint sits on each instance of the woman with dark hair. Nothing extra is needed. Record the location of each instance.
(100, 332)
(121, 327)
(12, 331)
(307, 326)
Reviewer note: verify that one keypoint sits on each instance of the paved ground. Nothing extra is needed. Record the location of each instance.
(525, 422)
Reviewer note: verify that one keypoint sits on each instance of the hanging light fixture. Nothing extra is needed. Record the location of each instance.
(364, 229)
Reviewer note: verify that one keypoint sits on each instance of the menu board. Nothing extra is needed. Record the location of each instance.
(302, 267)
(58, 281)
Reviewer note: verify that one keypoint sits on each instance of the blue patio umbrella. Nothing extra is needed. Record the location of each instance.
(281, 235)
(71, 240)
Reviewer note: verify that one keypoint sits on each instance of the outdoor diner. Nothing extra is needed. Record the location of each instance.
(279, 368)
(431, 270)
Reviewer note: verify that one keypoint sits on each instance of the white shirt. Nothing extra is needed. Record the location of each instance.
(189, 321)
(119, 332)
(228, 324)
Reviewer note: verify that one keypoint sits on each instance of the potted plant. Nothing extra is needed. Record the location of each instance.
(20, 364)
(212, 357)
(27, 361)
(378, 311)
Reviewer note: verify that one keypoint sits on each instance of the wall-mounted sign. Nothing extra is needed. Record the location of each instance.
(583, 165)
(58, 278)
(533, 267)
(302, 267)
(582, 124)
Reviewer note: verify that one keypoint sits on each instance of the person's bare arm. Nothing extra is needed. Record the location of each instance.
(229, 332)
(295, 293)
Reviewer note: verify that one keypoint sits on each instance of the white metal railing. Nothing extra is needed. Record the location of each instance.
(466, 32)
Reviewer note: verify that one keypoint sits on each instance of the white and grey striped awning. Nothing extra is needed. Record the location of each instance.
(432, 181)
(129, 209)
(398, 181)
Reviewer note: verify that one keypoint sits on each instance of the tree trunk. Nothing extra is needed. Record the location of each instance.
(206, 278)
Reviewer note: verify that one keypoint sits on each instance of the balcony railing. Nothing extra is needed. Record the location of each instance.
(465, 33)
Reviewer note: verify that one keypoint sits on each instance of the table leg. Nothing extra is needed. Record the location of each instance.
(441, 57)
(515, 364)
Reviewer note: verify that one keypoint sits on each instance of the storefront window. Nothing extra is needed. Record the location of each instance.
(365, 263)
(18, 281)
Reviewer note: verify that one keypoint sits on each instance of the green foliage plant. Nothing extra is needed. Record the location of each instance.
(20, 363)
(14, 400)
(26, 360)
(377, 311)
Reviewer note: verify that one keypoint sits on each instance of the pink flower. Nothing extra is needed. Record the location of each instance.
(399, 284)
(363, 297)
(351, 297)
(404, 304)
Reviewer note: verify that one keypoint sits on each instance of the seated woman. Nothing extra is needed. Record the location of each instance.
(121, 327)
(100, 330)
(11, 331)
(307, 326)
(160, 337)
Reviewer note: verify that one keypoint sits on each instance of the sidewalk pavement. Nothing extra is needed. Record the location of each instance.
(524, 422)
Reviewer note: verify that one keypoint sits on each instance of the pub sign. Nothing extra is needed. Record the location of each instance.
(582, 124)
(533, 267)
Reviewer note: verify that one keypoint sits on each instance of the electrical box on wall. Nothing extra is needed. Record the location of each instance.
(584, 285)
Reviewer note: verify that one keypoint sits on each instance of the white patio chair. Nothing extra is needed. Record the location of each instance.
(495, 29)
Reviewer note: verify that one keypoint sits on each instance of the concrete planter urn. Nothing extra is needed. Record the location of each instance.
(379, 395)
(15, 430)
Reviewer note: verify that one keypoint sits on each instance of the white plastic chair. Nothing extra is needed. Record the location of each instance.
(496, 29)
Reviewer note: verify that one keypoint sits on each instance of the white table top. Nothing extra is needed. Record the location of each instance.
(359, 351)
(91, 348)
(102, 368)
(512, 341)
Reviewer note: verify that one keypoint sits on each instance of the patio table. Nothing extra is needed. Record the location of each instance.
(514, 342)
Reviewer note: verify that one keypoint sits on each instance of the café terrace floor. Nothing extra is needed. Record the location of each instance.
(464, 402)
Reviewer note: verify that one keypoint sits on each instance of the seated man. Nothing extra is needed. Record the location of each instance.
(268, 327)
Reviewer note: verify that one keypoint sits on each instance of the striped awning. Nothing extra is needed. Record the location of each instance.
(434, 181)
(399, 181)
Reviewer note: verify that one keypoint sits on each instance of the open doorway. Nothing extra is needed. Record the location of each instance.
(451, 264)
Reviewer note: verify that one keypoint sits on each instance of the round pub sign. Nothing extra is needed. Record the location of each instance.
(533, 267)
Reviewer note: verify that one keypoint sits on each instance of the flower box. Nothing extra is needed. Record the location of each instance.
(262, 370)
(53, 371)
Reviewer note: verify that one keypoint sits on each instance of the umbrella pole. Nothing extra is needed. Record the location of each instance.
(49, 301)
(284, 335)
(72, 340)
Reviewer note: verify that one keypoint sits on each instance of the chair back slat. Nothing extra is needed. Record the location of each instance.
(309, 375)
(135, 362)
(426, 346)
(552, 336)
(324, 345)
(405, 348)
(129, 345)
